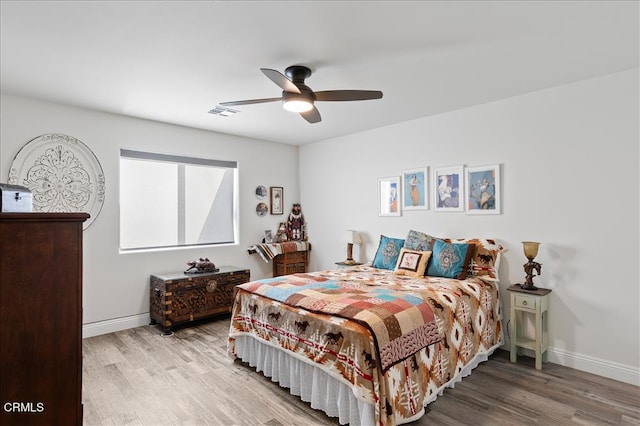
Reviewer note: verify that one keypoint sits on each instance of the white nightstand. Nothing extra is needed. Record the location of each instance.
(533, 303)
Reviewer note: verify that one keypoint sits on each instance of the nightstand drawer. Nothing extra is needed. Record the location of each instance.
(526, 302)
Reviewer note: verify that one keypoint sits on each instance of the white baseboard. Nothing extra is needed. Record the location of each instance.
(112, 325)
(600, 367)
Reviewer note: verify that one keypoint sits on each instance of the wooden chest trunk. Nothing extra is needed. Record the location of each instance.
(178, 298)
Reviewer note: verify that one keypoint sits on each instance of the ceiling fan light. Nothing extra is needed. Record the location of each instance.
(297, 105)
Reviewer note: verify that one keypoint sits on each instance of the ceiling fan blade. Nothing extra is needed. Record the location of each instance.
(348, 95)
(278, 78)
(312, 116)
(249, 101)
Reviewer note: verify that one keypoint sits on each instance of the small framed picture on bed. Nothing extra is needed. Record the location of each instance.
(414, 189)
(389, 196)
(277, 194)
(448, 189)
(483, 190)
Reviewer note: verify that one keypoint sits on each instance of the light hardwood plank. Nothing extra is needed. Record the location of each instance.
(140, 377)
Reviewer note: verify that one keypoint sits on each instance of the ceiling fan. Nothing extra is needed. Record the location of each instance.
(298, 97)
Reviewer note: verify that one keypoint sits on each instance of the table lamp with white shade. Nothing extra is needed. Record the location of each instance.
(352, 237)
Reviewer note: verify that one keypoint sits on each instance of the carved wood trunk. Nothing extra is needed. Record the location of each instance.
(179, 298)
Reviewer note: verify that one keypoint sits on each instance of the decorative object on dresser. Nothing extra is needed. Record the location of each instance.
(201, 266)
(281, 233)
(534, 303)
(179, 298)
(63, 174)
(296, 225)
(530, 252)
(15, 198)
(352, 237)
(41, 318)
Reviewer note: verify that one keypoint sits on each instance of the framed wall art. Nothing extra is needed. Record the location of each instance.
(414, 188)
(483, 190)
(389, 196)
(277, 199)
(448, 189)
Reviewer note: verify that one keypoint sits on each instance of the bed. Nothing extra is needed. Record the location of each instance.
(374, 344)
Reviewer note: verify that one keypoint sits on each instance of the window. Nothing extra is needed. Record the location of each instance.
(173, 201)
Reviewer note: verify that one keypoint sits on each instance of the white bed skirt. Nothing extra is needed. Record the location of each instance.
(318, 387)
(307, 381)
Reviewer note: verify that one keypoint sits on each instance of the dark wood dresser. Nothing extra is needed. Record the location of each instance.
(290, 263)
(41, 318)
(179, 298)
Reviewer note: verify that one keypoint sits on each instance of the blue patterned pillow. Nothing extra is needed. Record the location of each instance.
(420, 241)
(388, 251)
(449, 260)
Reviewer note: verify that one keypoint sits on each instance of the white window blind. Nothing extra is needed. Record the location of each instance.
(173, 201)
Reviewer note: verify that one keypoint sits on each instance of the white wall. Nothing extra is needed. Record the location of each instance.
(569, 159)
(116, 286)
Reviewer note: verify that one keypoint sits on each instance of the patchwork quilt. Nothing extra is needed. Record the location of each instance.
(313, 317)
(401, 322)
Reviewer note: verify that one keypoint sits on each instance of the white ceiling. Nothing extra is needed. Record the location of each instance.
(174, 61)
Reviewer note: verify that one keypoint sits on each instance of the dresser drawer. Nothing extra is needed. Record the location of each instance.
(290, 263)
(526, 302)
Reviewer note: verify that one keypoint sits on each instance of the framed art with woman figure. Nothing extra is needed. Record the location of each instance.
(414, 188)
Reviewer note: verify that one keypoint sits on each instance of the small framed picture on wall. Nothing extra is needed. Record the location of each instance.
(277, 201)
(389, 196)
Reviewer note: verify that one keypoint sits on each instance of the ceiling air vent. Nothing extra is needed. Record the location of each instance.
(223, 111)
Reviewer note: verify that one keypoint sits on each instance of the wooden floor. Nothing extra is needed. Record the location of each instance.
(139, 377)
